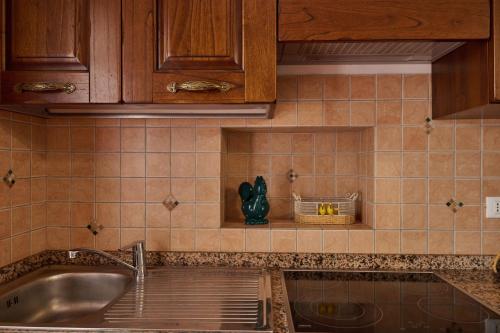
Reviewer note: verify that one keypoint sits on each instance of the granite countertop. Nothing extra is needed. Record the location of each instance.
(470, 274)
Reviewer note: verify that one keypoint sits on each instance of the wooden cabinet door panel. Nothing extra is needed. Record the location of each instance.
(57, 42)
(330, 20)
(199, 34)
(47, 34)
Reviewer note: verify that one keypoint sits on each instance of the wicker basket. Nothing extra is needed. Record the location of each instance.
(306, 210)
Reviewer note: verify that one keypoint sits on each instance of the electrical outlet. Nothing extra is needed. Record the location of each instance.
(493, 207)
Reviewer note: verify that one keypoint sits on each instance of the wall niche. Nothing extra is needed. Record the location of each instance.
(329, 162)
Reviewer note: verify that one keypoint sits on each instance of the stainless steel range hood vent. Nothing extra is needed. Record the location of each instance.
(258, 111)
(363, 52)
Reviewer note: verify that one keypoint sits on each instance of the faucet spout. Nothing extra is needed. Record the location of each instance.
(138, 257)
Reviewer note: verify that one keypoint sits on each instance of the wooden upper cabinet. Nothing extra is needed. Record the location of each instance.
(199, 51)
(331, 20)
(61, 51)
(199, 35)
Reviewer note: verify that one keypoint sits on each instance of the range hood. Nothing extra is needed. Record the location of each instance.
(258, 111)
(376, 52)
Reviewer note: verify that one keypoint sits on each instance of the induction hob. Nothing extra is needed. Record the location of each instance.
(385, 302)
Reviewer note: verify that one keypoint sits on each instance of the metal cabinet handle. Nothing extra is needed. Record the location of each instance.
(66, 87)
(174, 87)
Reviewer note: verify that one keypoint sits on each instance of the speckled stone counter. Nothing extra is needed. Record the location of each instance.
(470, 274)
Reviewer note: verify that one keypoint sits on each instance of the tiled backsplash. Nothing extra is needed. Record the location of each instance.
(119, 171)
(22, 207)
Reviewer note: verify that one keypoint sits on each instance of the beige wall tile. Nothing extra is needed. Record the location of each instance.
(440, 218)
(491, 138)
(310, 113)
(337, 87)
(133, 165)
(361, 241)
(414, 217)
(108, 239)
(414, 164)
(388, 138)
(183, 139)
(157, 215)
(467, 242)
(362, 87)
(158, 239)
(387, 241)
(133, 215)
(157, 165)
(389, 112)
(208, 140)
(283, 240)
(387, 216)
(58, 238)
(414, 190)
(336, 113)
(440, 242)
(108, 214)
(207, 165)
(363, 113)
(21, 246)
(131, 235)
(414, 139)
(309, 241)
(257, 240)
(414, 242)
(285, 114)
(107, 165)
(81, 237)
(310, 87)
(133, 139)
(490, 243)
(133, 190)
(5, 251)
(389, 86)
(416, 86)
(441, 164)
(108, 189)
(82, 139)
(467, 164)
(388, 164)
(232, 240)
(387, 190)
(415, 112)
(82, 165)
(107, 139)
(335, 241)
(82, 214)
(208, 239)
(157, 189)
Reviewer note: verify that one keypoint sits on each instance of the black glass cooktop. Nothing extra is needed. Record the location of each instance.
(382, 302)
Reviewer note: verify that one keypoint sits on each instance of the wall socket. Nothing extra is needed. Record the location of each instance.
(493, 207)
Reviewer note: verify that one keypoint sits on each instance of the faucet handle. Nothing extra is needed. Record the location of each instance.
(140, 243)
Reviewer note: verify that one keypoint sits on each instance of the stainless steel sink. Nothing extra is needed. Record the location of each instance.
(61, 294)
(182, 298)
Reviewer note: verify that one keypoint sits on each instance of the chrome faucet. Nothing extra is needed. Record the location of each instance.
(138, 257)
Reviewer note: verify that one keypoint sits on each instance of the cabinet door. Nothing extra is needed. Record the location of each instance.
(494, 53)
(61, 51)
(199, 51)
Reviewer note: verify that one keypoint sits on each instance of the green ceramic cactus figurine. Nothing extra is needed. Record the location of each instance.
(254, 206)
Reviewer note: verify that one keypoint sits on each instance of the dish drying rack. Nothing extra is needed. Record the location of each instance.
(306, 210)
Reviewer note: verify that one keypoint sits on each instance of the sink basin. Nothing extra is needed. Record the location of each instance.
(61, 294)
(178, 298)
